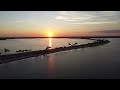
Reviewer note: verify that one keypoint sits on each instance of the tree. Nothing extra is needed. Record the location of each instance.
(6, 50)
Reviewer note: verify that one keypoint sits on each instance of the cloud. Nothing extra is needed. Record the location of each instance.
(108, 31)
(60, 17)
(94, 23)
(89, 17)
(19, 21)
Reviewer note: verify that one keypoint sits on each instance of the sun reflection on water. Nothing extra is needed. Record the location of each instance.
(51, 65)
(50, 42)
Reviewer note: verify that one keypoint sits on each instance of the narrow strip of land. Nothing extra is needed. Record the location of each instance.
(19, 56)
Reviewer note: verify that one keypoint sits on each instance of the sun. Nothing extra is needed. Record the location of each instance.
(50, 34)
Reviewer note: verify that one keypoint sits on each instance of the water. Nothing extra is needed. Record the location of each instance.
(36, 44)
(100, 62)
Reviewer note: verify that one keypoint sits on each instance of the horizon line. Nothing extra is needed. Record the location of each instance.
(64, 37)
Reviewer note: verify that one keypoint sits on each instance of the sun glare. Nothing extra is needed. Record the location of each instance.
(50, 34)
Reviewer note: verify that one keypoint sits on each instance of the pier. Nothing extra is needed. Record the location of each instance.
(24, 55)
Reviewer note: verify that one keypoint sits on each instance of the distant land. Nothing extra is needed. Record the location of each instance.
(81, 37)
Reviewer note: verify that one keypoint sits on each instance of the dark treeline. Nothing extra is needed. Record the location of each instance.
(81, 37)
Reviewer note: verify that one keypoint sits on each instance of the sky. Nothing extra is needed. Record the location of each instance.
(59, 23)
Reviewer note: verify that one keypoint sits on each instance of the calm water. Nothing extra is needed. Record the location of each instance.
(37, 44)
(90, 63)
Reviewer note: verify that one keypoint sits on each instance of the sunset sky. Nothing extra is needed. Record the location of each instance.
(59, 23)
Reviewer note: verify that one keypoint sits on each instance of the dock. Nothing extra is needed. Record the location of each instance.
(24, 55)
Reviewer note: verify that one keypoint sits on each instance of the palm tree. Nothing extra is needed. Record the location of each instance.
(5, 50)
(75, 43)
(8, 50)
(47, 48)
(26, 50)
(69, 44)
(22, 51)
(19, 51)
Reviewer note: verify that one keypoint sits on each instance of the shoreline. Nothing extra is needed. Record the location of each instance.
(82, 37)
(19, 56)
